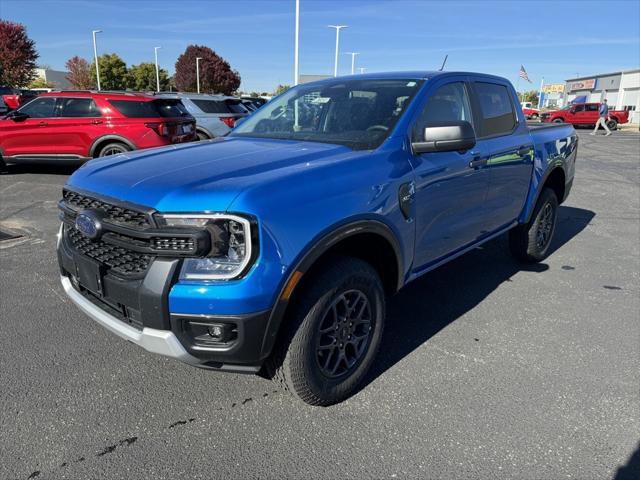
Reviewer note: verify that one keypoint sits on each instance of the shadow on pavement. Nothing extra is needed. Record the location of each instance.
(630, 471)
(440, 297)
(33, 168)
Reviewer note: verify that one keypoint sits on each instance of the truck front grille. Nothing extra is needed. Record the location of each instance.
(114, 213)
(120, 260)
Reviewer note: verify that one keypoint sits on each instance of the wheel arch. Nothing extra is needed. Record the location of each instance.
(382, 250)
(554, 179)
(99, 142)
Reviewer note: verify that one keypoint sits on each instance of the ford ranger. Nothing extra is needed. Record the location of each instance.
(271, 250)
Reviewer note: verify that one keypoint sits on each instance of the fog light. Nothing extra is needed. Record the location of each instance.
(216, 331)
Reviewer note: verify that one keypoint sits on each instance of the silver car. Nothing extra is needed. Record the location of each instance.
(215, 114)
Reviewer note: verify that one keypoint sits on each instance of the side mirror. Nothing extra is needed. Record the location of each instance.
(17, 116)
(446, 137)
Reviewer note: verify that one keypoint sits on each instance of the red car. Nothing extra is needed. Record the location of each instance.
(585, 114)
(77, 126)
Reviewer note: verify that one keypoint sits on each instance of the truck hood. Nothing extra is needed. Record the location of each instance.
(202, 176)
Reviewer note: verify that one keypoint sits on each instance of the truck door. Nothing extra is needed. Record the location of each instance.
(511, 153)
(577, 115)
(450, 187)
(591, 113)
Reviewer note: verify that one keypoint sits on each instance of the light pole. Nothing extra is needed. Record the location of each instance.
(95, 56)
(198, 72)
(155, 50)
(338, 28)
(353, 61)
(296, 71)
(362, 69)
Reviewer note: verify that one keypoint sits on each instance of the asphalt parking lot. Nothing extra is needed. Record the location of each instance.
(487, 370)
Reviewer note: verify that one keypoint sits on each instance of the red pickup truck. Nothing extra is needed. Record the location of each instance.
(585, 114)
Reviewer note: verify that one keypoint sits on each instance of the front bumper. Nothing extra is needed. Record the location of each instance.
(137, 309)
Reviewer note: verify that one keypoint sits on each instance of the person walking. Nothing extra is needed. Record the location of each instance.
(602, 118)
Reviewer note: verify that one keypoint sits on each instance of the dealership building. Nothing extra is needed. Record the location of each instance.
(621, 89)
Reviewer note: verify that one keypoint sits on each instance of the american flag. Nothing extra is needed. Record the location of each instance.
(523, 74)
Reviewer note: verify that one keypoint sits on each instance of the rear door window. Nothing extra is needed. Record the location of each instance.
(78, 108)
(211, 106)
(592, 107)
(43, 107)
(150, 109)
(498, 115)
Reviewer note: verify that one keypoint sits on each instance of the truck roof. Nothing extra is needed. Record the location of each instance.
(404, 75)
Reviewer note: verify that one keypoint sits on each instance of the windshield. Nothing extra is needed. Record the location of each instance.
(358, 114)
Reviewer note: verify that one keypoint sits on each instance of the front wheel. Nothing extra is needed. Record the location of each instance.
(333, 334)
(558, 120)
(530, 242)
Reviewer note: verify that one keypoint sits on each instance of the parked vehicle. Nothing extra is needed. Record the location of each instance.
(76, 126)
(215, 115)
(253, 103)
(12, 98)
(273, 248)
(528, 110)
(585, 114)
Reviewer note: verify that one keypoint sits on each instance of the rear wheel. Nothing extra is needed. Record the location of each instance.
(534, 116)
(202, 136)
(612, 124)
(558, 120)
(113, 148)
(530, 242)
(333, 334)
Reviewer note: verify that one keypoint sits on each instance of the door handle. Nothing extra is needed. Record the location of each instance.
(96, 122)
(42, 124)
(522, 151)
(478, 162)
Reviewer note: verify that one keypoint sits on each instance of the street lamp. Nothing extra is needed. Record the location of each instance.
(353, 61)
(338, 28)
(296, 71)
(95, 56)
(155, 51)
(198, 72)
(362, 69)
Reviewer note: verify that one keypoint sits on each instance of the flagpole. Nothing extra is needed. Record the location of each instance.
(518, 88)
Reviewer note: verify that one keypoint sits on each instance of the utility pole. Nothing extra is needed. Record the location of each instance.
(296, 71)
(198, 72)
(155, 50)
(353, 61)
(95, 56)
(338, 28)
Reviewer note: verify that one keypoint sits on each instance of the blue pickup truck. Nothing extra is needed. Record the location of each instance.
(272, 250)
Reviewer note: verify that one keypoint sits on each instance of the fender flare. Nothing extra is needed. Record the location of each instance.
(117, 138)
(531, 207)
(308, 258)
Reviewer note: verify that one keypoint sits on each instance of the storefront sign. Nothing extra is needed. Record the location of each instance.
(553, 88)
(583, 85)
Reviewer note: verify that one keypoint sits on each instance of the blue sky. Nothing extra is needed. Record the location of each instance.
(553, 39)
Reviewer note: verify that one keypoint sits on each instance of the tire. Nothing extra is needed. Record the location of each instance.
(3, 166)
(202, 136)
(319, 358)
(530, 242)
(612, 124)
(534, 116)
(113, 148)
(558, 120)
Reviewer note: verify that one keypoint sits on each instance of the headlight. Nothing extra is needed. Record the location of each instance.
(231, 245)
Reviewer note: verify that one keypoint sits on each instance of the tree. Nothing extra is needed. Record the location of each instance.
(216, 75)
(530, 96)
(40, 83)
(17, 55)
(281, 89)
(79, 73)
(113, 72)
(143, 77)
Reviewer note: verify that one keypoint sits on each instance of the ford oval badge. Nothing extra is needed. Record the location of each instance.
(89, 225)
